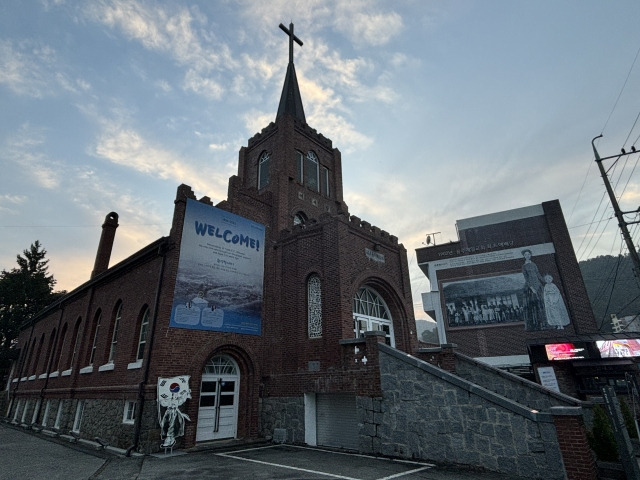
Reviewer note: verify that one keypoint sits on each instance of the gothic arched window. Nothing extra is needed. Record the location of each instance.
(308, 170)
(263, 170)
(370, 312)
(314, 306)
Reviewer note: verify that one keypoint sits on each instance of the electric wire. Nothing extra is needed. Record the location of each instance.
(615, 105)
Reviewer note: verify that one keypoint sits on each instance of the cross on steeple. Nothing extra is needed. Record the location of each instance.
(292, 37)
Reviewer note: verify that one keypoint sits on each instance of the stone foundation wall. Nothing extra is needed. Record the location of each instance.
(429, 414)
(282, 413)
(101, 418)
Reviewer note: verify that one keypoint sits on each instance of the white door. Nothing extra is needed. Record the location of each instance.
(218, 413)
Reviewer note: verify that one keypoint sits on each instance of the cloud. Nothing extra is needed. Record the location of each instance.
(9, 202)
(365, 27)
(24, 68)
(125, 146)
(24, 148)
(174, 33)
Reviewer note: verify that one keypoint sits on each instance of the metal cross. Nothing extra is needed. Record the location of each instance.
(292, 37)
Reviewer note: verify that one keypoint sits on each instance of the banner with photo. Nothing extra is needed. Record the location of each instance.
(220, 272)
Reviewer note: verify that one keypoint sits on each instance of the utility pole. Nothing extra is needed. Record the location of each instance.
(622, 223)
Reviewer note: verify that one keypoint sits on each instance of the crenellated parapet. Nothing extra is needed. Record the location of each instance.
(305, 129)
(264, 133)
(365, 226)
(351, 220)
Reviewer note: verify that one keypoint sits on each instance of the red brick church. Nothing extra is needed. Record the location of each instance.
(275, 314)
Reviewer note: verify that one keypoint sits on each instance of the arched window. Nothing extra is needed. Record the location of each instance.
(29, 362)
(114, 333)
(76, 343)
(308, 170)
(299, 218)
(144, 329)
(50, 352)
(370, 313)
(221, 365)
(314, 306)
(263, 170)
(36, 360)
(96, 333)
(63, 337)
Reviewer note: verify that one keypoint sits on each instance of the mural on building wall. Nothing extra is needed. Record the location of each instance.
(528, 297)
(172, 393)
(220, 273)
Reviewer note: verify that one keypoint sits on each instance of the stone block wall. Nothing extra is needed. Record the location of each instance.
(429, 414)
(511, 386)
(282, 413)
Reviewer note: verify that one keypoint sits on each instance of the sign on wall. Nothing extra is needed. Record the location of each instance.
(220, 272)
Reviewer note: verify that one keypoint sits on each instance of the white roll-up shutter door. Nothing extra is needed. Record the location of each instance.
(337, 423)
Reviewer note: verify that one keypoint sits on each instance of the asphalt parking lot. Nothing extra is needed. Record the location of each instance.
(34, 457)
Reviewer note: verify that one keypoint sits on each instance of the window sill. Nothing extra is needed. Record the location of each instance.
(23, 379)
(54, 374)
(134, 365)
(106, 367)
(32, 377)
(66, 373)
(44, 375)
(87, 369)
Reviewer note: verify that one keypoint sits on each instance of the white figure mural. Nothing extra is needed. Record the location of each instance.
(172, 393)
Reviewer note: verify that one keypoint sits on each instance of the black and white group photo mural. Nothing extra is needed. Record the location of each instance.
(530, 296)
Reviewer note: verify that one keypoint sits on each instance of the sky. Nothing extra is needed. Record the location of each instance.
(442, 111)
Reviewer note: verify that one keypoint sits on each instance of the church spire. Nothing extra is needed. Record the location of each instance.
(290, 100)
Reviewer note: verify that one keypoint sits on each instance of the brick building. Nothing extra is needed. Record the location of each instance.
(90, 362)
(510, 293)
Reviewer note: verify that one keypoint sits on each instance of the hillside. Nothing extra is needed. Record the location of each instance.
(611, 287)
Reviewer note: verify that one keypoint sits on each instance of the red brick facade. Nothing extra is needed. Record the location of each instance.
(343, 251)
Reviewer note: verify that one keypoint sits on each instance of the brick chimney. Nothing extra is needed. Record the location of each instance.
(106, 244)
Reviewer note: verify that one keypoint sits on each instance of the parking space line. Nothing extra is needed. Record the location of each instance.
(373, 457)
(409, 472)
(287, 466)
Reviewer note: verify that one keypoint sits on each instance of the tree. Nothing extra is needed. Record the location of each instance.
(24, 291)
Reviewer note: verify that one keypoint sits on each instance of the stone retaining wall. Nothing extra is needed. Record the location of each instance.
(429, 414)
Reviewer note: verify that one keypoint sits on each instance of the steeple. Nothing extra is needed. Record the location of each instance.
(290, 100)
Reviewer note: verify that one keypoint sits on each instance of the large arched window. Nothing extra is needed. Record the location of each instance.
(263, 170)
(370, 312)
(314, 306)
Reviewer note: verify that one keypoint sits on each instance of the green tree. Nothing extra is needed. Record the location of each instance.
(24, 291)
(601, 437)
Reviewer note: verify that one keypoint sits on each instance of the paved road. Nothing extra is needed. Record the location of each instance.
(29, 456)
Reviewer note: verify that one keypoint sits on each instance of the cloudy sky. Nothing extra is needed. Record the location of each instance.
(442, 111)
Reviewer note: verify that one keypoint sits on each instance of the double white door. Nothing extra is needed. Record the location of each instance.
(218, 413)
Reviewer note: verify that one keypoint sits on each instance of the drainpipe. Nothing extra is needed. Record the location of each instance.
(140, 400)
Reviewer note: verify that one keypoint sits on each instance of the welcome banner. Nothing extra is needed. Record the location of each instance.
(220, 272)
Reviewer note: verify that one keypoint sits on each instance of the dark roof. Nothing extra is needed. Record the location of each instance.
(290, 100)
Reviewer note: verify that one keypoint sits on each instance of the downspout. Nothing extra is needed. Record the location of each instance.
(145, 378)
